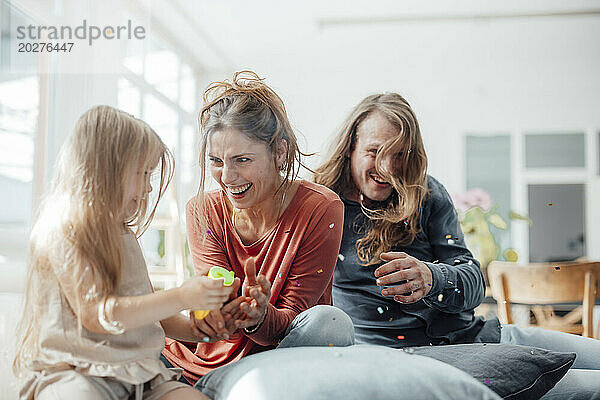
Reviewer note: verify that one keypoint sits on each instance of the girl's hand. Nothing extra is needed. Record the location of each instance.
(219, 324)
(203, 293)
(257, 291)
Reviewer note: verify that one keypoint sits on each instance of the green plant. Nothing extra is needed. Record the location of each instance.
(478, 217)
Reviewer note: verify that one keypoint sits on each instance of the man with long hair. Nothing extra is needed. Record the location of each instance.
(404, 274)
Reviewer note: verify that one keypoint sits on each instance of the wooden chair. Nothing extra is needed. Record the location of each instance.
(544, 284)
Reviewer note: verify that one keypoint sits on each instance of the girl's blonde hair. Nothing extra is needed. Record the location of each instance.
(79, 226)
(397, 221)
(249, 106)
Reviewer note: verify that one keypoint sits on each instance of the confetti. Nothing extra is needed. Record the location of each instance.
(429, 284)
(450, 241)
(450, 282)
(456, 261)
(320, 271)
(279, 275)
(330, 344)
(331, 226)
(532, 352)
(549, 204)
(457, 290)
(206, 339)
(487, 381)
(400, 337)
(208, 232)
(341, 257)
(435, 261)
(557, 268)
(448, 236)
(380, 310)
(298, 283)
(391, 319)
(440, 297)
(470, 262)
(406, 223)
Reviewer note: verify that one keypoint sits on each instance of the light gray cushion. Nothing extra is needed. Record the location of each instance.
(356, 372)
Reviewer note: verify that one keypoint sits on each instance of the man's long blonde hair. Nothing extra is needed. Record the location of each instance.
(80, 224)
(397, 220)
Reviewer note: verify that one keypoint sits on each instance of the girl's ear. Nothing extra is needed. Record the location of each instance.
(281, 153)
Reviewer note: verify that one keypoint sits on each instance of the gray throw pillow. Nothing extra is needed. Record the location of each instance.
(355, 372)
(514, 372)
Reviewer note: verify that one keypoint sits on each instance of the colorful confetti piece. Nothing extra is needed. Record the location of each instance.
(487, 381)
(320, 271)
(440, 297)
(549, 204)
(331, 226)
(208, 232)
(401, 337)
(450, 241)
(456, 261)
(448, 236)
(557, 268)
(341, 257)
(470, 262)
(380, 310)
(391, 319)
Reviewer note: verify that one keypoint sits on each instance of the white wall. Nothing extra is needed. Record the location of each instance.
(461, 75)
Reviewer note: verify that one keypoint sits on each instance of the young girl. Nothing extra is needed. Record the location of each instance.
(90, 326)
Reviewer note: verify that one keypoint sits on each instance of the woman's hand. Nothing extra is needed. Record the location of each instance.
(257, 292)
(412, 277)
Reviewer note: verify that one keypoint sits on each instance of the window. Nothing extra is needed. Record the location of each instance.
(545, 176)
(557, 212)
(489, 168)
(160, 87)
(555, 150)
(19, 108)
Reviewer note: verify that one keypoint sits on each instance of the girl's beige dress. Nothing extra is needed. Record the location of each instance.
(98, 365)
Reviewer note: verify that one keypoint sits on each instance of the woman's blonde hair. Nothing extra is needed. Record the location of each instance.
(249, 106)
(397, 220)
(79, 226)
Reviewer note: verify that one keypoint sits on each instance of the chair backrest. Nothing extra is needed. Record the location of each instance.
(545, 283)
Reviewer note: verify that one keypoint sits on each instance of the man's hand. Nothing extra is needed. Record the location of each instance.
(410, 278)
